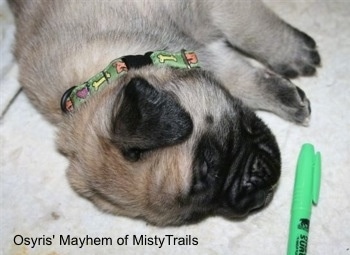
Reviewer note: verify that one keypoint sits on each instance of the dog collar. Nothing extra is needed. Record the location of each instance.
(77, 95)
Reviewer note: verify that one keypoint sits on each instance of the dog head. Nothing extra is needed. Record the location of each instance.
(171, 147)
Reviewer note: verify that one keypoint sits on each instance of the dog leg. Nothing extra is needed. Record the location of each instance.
(258, 88)
(257, 31)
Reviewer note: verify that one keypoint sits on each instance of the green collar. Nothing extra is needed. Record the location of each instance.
(77, 95)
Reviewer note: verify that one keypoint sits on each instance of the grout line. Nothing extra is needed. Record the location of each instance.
(8, 106)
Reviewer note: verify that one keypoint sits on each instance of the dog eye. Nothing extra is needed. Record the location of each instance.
(133, 154)
(205, 175)
(204, 169)
(201, 174)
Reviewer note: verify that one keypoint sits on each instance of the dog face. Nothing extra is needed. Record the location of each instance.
(171, 147)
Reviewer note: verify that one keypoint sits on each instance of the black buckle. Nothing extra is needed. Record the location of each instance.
(64, 99)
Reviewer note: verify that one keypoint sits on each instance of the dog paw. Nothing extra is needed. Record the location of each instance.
(287, 100)
(299, 56)
(301, 111)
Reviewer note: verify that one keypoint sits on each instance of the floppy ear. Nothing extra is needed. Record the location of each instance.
(148, 119)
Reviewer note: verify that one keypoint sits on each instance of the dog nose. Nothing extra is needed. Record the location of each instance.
(269, 196)
(265, 198)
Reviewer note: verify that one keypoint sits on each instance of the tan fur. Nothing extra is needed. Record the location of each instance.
(149, 189)
(63, 43)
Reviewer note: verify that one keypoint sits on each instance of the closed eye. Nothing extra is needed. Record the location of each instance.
(134, 154)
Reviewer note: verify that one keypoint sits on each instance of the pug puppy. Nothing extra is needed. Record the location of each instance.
(168, 144)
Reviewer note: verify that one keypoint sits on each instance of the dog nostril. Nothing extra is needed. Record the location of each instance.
(268, 197)
(205, 168)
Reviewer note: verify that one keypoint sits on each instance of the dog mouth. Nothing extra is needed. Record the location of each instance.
(261, 188)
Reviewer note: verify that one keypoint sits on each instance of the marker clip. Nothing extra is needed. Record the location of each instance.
(316, 178)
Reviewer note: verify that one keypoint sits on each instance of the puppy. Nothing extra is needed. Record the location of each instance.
(153, 131)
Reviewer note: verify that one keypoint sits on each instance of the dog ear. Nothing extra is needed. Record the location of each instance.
(148, 119)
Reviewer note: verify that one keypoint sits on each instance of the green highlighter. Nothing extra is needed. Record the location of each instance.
(306, 193)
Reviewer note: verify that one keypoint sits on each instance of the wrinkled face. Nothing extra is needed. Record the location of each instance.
(170, 147)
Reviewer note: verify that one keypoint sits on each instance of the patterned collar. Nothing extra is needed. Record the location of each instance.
(78, 94)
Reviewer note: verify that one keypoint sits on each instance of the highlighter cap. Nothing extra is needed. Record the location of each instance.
(307, 178)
